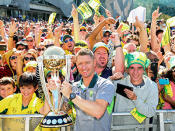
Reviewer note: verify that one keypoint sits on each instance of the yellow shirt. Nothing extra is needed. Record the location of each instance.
(13, 105)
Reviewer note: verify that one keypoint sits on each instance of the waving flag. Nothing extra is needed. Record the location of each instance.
(166, 34)
(51, 18)
(95, 4)
(84, 10)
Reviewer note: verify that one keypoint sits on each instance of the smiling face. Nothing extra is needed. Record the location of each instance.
(27, 91)
(136, 73)
(101, 57)
(85, 65)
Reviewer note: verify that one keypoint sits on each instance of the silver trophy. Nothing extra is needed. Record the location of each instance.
(54, 59)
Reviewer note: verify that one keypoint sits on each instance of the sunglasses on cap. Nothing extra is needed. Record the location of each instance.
(80, 44)
(40, 49)
(82, 30)
(68, 40)
(13, 57)
(29, 58)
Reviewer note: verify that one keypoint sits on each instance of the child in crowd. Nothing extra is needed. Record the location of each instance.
(7, 87)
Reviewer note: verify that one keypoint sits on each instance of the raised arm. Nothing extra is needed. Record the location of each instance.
(76, 25)
(94, 33)
(155, 46)
(143, 37)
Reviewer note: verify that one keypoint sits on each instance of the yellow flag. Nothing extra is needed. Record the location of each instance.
(51, 18)
(166, 34)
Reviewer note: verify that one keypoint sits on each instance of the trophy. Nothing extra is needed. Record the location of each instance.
(54, 59)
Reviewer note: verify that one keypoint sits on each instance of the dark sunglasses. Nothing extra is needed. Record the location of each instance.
(40, 49)
(29, 40)
(21, 48)
(68, 40)
(29, 58)
(13, 57)
(82, 30)
(154, 60)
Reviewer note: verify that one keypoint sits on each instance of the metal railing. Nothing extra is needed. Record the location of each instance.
(164, 120)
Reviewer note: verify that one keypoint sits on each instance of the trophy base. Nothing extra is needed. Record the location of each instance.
(53, 120)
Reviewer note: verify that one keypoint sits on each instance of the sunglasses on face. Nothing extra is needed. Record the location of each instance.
(106, 35)
(40, 49)
(154, 60)
(49, 45)
(82, 30)
(68, 40)
(29, 40)
(13, 57)
(21, 48)
(29, 58)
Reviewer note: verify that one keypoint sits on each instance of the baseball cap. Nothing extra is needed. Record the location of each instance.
(66, 36)
(98, 45)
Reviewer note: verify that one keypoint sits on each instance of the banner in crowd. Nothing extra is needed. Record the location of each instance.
(166, 35)
(51, 18)
(140, 12)
(84, 10)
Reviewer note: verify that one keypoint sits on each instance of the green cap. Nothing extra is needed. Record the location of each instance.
(65, 37)
(137, 58)
(98, 45)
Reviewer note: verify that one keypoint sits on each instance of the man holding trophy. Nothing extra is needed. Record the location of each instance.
(91, 95)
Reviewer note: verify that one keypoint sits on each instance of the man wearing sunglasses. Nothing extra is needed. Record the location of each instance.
(68, 44)
(30, 41)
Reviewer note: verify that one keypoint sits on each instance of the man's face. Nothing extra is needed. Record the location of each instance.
(27, 91)
(159, 37)
(106, 37)
(136, 74)
(30, 42)
(6, 90)
(69, 44)
(101, 57)
(85, 65)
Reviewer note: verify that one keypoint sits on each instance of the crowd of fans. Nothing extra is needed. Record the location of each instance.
(114, 44)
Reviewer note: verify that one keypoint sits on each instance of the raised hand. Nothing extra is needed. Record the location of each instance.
(138, 24)
(108, 13)
(156, 14)
(13, 28)
(110, 20)
(74, 12)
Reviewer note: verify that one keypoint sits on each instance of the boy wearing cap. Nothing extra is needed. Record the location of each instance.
(144, 97)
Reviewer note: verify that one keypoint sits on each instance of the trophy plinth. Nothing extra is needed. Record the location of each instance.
(54, 59)
(53, 120)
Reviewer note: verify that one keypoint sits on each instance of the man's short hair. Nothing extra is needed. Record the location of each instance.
(27, 79)
(84, 51)
(6, 81)
(159, 32)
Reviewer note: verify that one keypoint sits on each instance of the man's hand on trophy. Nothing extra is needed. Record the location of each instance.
(66, 89)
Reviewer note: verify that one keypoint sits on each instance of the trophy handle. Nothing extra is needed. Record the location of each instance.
(67, 77)
(43, 82)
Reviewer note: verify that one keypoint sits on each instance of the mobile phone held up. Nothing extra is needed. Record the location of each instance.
(164, 81)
